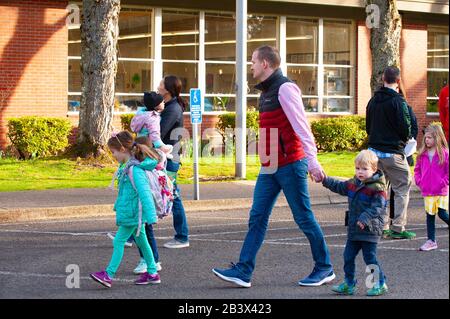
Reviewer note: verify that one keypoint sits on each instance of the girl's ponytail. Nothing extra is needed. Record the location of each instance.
(143, 148)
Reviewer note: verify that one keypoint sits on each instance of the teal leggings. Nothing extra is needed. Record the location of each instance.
(122, 235)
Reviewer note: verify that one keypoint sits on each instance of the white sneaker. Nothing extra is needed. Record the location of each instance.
(429, 245)
(112, 236)
(176, 244)
(141, 268)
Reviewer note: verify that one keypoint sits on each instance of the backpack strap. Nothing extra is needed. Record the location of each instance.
(130, 174)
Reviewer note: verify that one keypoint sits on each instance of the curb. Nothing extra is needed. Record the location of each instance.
(90, 211)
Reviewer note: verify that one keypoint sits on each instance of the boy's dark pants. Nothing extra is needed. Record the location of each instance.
(369, 250)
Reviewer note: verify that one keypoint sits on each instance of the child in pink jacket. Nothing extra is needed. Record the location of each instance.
(147, 120)
(431, 175)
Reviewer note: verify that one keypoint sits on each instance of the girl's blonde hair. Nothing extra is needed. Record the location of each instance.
(139, 147)
(437, 133)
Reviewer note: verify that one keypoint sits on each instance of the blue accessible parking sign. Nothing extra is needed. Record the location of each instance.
(196, 106)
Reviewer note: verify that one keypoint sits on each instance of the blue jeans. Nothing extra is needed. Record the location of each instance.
(431, 220)
(292, 179)
(369, 250)
(152, 241)
(179, 216)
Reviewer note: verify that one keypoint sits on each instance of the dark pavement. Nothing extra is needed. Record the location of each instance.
(34, 257)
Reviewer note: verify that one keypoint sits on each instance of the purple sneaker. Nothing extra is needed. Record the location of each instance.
(103, 278)
(146, 279)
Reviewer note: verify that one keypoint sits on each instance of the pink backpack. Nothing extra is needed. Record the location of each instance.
(162, 190)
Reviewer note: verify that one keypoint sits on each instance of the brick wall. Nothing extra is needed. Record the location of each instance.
(363, 68)
(413, 59)
(33, 60)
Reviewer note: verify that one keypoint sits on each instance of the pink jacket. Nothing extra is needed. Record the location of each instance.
(432, 178)
(147, 124)
(290, 98)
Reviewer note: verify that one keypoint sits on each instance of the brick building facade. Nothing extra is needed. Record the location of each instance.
(36, 58)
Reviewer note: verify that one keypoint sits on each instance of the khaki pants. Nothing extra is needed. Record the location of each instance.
(396, 171)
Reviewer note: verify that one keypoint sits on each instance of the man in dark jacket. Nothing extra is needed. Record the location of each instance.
(388, 124)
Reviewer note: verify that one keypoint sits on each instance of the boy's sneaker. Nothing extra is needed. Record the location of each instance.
(317, 278)
(232, 275)
(128, 243)
(141, 268)
(403, 235)
(377, 290)
(429, 245)
(176, 244)
(146, 279)
(344, 289)
(103, 278)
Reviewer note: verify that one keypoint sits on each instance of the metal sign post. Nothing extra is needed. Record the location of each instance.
(196, 119)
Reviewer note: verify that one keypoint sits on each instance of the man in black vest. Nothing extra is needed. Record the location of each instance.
(284, 129)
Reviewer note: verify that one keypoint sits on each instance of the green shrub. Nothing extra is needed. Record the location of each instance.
(125, 120)
(228, 121)
(346, 133)
(34, 136)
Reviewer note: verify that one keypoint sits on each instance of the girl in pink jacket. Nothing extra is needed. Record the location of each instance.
(431, 175)
(147, 120)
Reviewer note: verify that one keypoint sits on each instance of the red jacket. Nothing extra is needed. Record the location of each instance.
(443, 109)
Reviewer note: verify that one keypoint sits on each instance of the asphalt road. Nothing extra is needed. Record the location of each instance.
(34, 259)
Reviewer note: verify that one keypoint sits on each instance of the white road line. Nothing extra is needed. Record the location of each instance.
(51, 232)
(307, 244)
(304, 237)
(53, 276)
(345, 234)
(403, 240)
(102, 233)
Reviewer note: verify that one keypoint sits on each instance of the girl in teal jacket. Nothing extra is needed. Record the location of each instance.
(134, 206)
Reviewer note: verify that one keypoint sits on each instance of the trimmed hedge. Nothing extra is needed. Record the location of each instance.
(347, 133)
(228, 121)
(34, 136)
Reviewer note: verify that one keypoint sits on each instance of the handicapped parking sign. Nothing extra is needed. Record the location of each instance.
(196, 106)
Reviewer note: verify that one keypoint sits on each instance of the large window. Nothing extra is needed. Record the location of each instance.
(302, 57)
(338, 68)
(134, 65)
(437, 57)
(180, 47)
(200, 48)
(220, 65)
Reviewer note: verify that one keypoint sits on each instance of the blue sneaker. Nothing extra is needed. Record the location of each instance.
(232, 275)
(317, 278)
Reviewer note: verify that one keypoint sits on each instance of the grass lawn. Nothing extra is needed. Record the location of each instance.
(57, 173)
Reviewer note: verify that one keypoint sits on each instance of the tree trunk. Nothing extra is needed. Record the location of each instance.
(384, 40)
(99, 32)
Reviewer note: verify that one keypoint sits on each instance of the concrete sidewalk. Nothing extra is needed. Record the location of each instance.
(97, 202)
